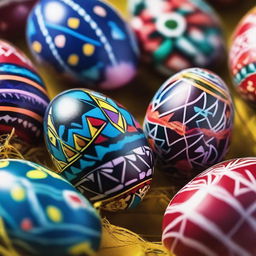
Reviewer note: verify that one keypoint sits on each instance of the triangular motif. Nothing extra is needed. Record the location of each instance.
(105, 105)
(68, 151)
(96, 122)
(92, 129)
(52, 138)
(100, 139)
(80, 141)
(115, 117)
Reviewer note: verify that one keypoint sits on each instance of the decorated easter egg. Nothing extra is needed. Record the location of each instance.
(23, 96)
(14, 14)
(242, 57)
(99, 147)
(214, 214)
(177, 34)
(85, 40)
(43, 214)
(189, 121)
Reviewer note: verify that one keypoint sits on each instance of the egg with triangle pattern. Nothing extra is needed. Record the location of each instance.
(99, 147)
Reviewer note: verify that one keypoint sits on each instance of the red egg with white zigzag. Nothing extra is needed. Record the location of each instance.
(215, 213)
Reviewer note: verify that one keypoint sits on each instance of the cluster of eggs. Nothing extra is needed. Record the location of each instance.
(99, 148)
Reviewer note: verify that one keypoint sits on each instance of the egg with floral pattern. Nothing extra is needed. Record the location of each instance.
(43, 214)
(177, 34)
(84, 40)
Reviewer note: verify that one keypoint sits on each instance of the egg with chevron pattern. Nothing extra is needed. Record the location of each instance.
(43, 214)
(23, 95)
(87, 41)
(99, 147)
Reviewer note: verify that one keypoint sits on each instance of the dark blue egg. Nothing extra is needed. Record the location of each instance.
(86, 40)
(43, 214)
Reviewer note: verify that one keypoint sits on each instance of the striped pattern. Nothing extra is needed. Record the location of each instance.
(23, 101)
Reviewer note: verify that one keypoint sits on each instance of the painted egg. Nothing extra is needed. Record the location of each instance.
(242, 57)
(99, 147)
(14, 14)
(86, 40)
(189, 121)
(41, 213)
(177, 34)
(214, 214)
(23, 96)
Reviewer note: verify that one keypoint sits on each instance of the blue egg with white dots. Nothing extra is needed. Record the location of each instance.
(85, 40)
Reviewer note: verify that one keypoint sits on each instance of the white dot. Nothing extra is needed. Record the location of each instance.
(81, 12)
(48, 39)
(98, 32)
(108, 48)
(93, 25)
(103, 39)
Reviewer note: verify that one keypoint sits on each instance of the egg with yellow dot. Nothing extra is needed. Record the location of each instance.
(87, 41)
(41, 213)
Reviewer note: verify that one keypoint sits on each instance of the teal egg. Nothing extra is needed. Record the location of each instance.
(43, 214)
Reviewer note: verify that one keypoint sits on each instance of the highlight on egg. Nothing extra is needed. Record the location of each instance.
(87, 41)
(189, 122)
(43, 214)
(214, 214)
(177, 34)
(98, 146)
(242, 57)
(23, 95)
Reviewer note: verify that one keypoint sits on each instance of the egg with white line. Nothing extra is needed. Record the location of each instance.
(86, 41)
(23, 95)
(214, 214)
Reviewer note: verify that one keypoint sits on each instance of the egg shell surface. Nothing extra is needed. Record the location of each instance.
(189, 122)
(99, 147)
(42, 213)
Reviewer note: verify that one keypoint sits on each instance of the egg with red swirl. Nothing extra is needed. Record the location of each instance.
(215, 213)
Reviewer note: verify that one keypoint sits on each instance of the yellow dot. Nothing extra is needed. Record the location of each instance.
(4, 164)
(73, 60)
(73, 23)
(36, 174)
(88, 49)
(37, 47)
(54, 214)
(18, 193)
